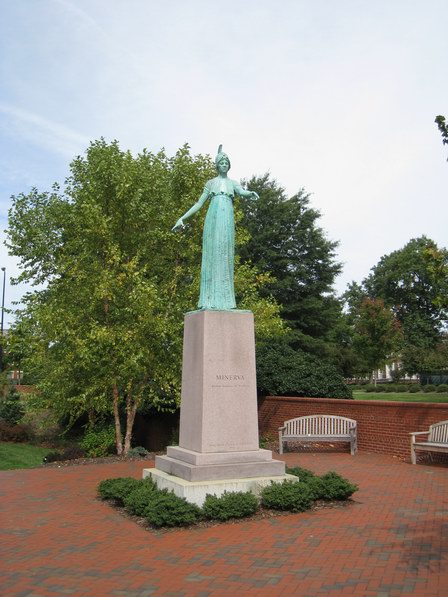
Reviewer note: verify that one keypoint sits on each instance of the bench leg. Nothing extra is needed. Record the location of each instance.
(353, 445)
(413, 456)
(280, 443)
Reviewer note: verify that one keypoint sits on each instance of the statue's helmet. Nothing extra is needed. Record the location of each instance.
(220, 155)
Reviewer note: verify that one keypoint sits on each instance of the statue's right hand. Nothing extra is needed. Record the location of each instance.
(178, 224)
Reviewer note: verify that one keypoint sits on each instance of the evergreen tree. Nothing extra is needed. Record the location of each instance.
(286, 242)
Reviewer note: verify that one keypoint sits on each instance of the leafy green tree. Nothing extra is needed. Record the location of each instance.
(377, 333)
(286, 242)
(443, 128)
(344, 353)
(413, 281)
(105, 331)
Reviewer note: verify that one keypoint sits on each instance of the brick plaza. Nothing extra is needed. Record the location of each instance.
(392, 540)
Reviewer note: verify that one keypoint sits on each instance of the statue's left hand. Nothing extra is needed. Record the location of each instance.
(178, 224)
(254, 196)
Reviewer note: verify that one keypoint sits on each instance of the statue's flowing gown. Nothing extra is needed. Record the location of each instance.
(218, 247)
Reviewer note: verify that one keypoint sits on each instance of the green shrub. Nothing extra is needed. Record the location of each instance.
(414, 388)
(370, 388)
(391, 388)
(317, 487)
(168, 510)
(139, 498)
(98, 442)
(232, 504)
(138, 452)
(117, 489)
(402, 388)
(11, 409)
(289, 495)
(283, 371)
(429, 388)
(304, 474)
(15, 433)
(380, 388)
(443, 387)
(334, 487)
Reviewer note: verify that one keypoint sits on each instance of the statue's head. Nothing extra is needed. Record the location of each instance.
(221, 156)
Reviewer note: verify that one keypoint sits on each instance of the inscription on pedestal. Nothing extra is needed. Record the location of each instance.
(230, 381)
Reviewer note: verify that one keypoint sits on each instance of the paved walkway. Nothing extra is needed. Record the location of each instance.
(392, 541)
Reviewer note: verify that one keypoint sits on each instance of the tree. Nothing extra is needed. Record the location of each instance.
(443, 128)
(345, 354)
(105, 332)
(413, 282)
(377, 333)
(286, 242)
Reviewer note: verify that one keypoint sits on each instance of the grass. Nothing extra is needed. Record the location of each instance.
(14, 456)
(401, 396)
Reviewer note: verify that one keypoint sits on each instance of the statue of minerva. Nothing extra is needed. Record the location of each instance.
(218, 241)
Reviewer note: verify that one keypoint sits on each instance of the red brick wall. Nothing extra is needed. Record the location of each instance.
(383, 427)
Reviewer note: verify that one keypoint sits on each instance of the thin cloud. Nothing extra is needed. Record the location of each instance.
(44, 131)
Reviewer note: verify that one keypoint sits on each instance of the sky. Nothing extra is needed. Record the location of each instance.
(336, 97)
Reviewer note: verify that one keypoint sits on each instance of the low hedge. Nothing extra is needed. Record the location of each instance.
(292, 496)
(137, 500)
(414, 388)
(233, 504)
(429, 388)
(117, 489)
(164, 509)
(330, 486)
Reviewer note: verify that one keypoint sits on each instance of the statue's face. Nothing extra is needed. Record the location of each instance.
(223, 165)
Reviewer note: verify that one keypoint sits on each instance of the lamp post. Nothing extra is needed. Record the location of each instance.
(3, 312)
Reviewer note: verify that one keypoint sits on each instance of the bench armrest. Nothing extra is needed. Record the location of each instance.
(281, 428)
(420, 433)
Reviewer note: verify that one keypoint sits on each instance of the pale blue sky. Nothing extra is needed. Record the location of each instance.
(338, 97)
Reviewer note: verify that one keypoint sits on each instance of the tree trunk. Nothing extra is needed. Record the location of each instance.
(118, 435)
(131, 409)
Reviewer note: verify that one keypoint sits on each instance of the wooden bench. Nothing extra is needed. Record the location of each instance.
(319, 428)
(437, 440)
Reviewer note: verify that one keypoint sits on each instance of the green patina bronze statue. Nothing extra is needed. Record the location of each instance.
(218, 242)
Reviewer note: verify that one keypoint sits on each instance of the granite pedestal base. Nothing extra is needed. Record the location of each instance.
(195, 466)
(196, 491)
(218, 439)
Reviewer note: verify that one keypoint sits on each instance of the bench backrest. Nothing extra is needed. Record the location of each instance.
(439, 433)
(319, 425)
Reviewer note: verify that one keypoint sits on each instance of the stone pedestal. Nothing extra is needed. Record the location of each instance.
(218, 442)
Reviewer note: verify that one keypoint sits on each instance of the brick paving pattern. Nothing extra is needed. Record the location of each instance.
(59, 539)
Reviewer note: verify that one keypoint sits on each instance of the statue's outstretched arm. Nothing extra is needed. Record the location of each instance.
(196, 207)
(246, 194)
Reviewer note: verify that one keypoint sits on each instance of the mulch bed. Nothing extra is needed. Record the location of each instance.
(261, 514)
(105, 460)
